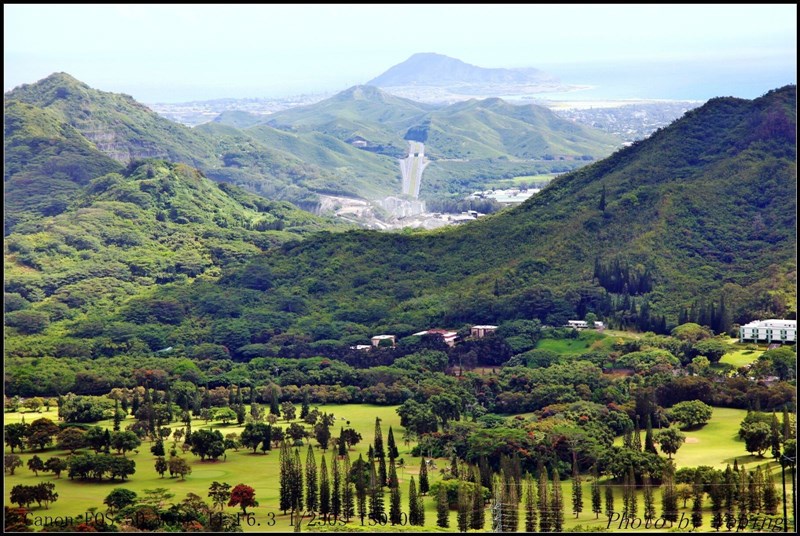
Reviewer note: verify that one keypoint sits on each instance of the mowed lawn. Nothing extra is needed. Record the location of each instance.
(257, 470)
(580, 345)
(716, 444)
(739, 356)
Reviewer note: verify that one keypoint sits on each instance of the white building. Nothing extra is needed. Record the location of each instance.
(582, 324)
(449, 337)
(377, 339)
(480, 332)
(772, 330)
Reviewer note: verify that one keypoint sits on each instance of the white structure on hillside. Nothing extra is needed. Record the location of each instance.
(480, 332)
(772, 330)
(378, 339)
(581, 324)
(449, 337)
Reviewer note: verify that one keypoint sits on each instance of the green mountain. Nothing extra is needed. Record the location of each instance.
(697, 222)
(470, 143)
(126, 234)
(115, 125)
(702, 212)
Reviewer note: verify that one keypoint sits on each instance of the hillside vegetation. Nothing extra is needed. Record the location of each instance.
(696, 223)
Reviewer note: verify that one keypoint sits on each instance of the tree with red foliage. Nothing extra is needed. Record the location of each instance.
(244, 496)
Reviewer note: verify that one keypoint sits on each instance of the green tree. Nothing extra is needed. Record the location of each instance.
(424, 486)
(122, 442)
(35, 464)
(119, 498)
(690, 413)
(442, 508)
(179, 466)
(413, 512)
(463, 503)
(219, 493)
(312, 493)
(15, 434)
(756, 437)
(376, 508)
(557, 504)
(609, 502)
(597, 506)
(670, 440)
(324, 488)
(161, 466)
(577, 490)
(530, 505)
(55, 465)
(41, 433)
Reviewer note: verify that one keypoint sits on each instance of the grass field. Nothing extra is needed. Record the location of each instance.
(578, 346)
(257, 470)
(740, 356)
(714, 444)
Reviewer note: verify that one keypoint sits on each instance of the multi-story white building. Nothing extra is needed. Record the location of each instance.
(772, 330)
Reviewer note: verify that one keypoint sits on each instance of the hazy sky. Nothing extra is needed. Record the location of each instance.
(172, 53)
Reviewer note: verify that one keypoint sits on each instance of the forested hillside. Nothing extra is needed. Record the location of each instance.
(696, 223)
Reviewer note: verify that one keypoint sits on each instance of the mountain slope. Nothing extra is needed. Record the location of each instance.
(437, 70)
(124, 234)
(494, 137)
(124, 130)
(703, 209)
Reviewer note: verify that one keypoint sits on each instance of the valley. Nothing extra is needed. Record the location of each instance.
(473, 310)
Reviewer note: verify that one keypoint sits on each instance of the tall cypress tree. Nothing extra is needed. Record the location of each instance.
(376, 509)
(597, 501)
(577, 490)
(770, 495)
(274, 408)
(395, 509)
(632, 501)
(361, 488)
(348, 490)
(477, 518)
(285, 476)
(424, 487)
(342, 443)
(637, 436)
(775, 436)
(117, 416)
(442, 507)
(557, 504)
(609, 502)
(530, 505)
(669, 498)
(297, 482)
(464, 504)
(380, 453)
(697, 504)
(324, 488)
(336, 488)
(312, 491)
(649, 499)
(413, 504)
(545, 518)
(649, 442)
(392, 478)
(391, 445)
(510, 504)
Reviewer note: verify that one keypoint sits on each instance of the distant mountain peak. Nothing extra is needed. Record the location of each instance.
(437, 70)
